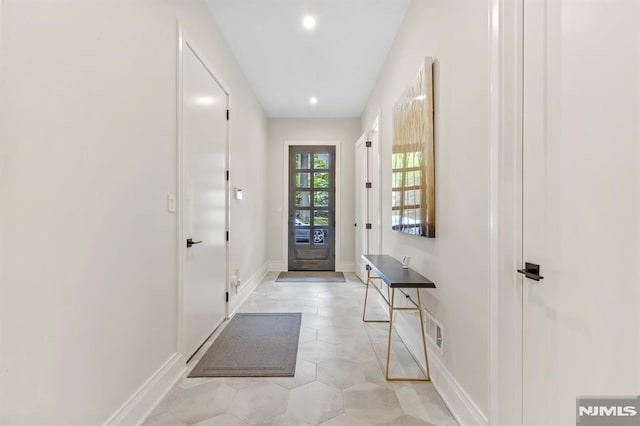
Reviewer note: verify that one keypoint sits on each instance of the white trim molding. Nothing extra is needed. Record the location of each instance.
(277, 266)
(179, 183)
(374, 132)
(346, 267)
(140, 405)
(285, 195)
(374, 199)
(505, 210)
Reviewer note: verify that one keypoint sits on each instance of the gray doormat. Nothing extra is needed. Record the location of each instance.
(311, 277)
(253, 345)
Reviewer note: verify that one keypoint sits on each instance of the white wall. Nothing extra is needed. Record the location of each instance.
(344, 130)
(87, 156)
(455, 34)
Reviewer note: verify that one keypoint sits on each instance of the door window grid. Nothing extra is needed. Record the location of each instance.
(309, 177)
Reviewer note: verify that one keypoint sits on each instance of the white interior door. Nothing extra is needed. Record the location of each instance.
(374, 194)
(204, 133)
(362, 205)
(581, 204)
(368, 231)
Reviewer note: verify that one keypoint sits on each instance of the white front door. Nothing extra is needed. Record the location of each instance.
(204, 135)
(581, 204)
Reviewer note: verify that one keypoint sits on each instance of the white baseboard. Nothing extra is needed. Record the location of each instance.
(277, 266)
(138, 407)
(346, 267)
(247, 288)
(464, 410)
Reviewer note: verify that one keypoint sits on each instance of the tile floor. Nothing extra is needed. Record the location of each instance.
(339, 376)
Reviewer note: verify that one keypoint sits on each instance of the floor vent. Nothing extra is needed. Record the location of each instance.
(433, 328)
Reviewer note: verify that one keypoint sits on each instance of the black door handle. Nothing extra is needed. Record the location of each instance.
(190, 242)
(531, 271)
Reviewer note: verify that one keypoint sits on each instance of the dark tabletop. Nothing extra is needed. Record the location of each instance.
(391, 272)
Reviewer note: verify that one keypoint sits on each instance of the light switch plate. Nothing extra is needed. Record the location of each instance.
(238, 194)
(171, 203)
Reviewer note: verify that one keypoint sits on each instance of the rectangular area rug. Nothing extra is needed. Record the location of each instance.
(311, 277)
(253, 345)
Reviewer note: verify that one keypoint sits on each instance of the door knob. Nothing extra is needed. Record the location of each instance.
(531, 271)
(190, 242)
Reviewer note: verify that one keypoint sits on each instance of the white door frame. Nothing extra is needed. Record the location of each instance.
(285, 197)
(185, 42)
(360, 144)
(374, 173)
(505, 215)
(375, 243)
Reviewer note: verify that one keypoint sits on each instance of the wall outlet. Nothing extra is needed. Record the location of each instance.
(236, 279)
(171, 203)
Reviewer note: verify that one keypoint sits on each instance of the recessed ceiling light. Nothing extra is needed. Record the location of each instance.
(309, 22)
(313, 100)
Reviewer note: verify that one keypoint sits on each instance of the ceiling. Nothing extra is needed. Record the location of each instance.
(286, 64)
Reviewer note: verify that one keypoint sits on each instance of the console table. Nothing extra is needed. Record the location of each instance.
(391, 272)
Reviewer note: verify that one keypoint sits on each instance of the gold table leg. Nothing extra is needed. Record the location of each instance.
(366, 295)
(391, 301)
(424, 341)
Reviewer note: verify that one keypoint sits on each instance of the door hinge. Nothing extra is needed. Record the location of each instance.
(227, 235)
(227, 114)
(368, 226)
(367, 185)
(227, 174)
(227, 297)
(367, 144)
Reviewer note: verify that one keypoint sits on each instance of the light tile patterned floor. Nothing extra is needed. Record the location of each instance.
(339, 378)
